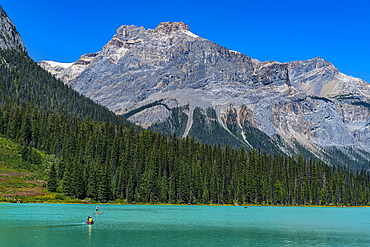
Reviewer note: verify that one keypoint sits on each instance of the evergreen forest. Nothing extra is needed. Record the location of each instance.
(103, 157)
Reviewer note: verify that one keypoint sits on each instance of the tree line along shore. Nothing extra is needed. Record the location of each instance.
(104, 162)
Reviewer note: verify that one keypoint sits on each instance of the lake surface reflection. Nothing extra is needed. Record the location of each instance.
(141, 225)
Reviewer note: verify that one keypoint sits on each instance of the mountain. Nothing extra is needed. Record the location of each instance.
(170, 80)
(87, 152)
(9, 37)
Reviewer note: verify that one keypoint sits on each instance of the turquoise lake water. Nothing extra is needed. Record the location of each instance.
(140, 225)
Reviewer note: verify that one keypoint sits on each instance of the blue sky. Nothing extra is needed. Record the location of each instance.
(337, 31)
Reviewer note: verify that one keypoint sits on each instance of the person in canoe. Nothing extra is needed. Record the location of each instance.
(89, 220)
(97, 209)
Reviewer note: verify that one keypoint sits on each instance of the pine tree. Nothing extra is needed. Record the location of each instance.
(53, 179)
(16, 123)
(78, 185)
(105, 184)
(164, 190)
(91, 190)
(172, 190)
(35, 124)
(26, 133)
(130, 189)
(277, 192)
(68, 178)
(205, 196)
(35, 157)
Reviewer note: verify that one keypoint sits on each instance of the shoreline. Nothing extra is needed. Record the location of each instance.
(169, 204)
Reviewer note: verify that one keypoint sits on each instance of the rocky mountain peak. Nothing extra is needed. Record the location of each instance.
(321, 78)
(9, 37)
(130, 32)
(312, 64)
(168, 27)
(318, 62)
(173, 81)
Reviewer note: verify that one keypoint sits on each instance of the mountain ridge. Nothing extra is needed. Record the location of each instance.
(306, 103)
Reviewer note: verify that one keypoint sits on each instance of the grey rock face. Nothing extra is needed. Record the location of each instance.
(9, 37)
(321, 78)
(306, 102)
(150, 116)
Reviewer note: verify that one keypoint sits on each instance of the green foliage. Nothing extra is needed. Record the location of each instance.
(303, 151)
(10, 155)
(53, 179)
(350, 157)
(59, 190)
(174, 125)
(278, 192)
(92, 183)
(259, 140)
(207, 129)
(68, 186)
(22, 81)
(15, 156)
(59, 196)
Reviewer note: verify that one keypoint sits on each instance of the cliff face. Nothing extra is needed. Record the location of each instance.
(170, 80)
(9, 37)
(321, 78)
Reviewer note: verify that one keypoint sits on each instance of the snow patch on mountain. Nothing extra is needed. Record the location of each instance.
(54, 64)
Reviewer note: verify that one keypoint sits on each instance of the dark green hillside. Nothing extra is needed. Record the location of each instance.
(175, 125)
(103, 162)
(259, 140)
(23, 81)
(206, 128)
(356, 159)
